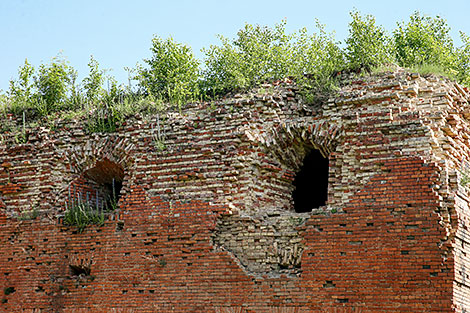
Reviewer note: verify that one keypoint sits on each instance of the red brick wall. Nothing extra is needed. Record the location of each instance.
(386, 242)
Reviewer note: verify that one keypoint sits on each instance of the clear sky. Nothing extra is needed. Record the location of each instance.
(118, 33)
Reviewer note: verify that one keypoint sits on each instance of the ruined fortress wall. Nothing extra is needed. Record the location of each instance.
(206, 219)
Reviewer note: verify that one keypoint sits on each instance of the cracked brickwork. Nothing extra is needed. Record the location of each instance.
(207, 224)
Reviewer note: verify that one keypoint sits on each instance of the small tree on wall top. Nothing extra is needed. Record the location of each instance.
(172, 73)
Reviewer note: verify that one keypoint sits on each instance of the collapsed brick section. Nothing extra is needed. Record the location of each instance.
(209, 225)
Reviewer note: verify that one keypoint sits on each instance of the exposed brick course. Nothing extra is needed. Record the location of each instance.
(207, 224)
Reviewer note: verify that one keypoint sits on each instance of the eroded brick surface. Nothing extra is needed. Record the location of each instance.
(207, 224)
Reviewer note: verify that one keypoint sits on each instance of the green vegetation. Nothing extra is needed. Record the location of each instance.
(27, 215)
(173, 76)
(368, 45)
(172, 73)
(87, 211)
(81, 215)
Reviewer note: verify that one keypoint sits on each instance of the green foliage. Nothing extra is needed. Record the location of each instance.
(82, 214)
(20, 94)
(315, 59)
(53, 82)
(424, 40)
(462, 65)
(260, 54)
(172, 73)
(257, 54)
(368, 45)
(427, 69)
(92, 84)
(27, 215)
(465, 179)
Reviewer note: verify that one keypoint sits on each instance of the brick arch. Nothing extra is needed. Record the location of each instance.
(79, 159)
(84, 157)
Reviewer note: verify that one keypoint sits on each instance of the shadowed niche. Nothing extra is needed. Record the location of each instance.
(108, 175)
(311, 183)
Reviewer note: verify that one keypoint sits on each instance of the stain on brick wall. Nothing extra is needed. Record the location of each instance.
(209, 223)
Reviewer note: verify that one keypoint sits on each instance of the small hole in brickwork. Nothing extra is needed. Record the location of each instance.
(311, 183)
(80, 270)
(329, 284)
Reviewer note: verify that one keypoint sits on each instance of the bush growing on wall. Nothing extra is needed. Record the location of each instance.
(20, 94)
(462, 65)
(172, 73)
(53, 82)
(257, 54)
(260, 53)
(424, 40)
(367, 45)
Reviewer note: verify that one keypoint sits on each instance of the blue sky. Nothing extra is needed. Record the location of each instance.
(118, 33)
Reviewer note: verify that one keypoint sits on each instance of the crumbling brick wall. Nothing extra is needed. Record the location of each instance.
(207, 223)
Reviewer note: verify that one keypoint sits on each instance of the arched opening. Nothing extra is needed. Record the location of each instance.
(94, 194)
(311, 183)
(107, 177)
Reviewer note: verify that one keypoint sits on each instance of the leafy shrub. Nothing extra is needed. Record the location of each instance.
(172, 73)
(257, 54)
(424, 40)
(53, 82)
(368, 45)
(315, 59)
(20, 94)
(463, 61)
(260, 54)
(92, 84)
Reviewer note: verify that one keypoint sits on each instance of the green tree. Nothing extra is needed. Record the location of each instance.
(93, 83)
(315, 58)
(463, 60)
(53, 82)
(22, 90)
(424, 40)
(367, 45)
(259, 53)
(172, 73)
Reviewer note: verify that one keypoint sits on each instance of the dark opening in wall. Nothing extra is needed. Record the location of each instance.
(311, 183)
(78, 270)
(97, 190)
(107, 177)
